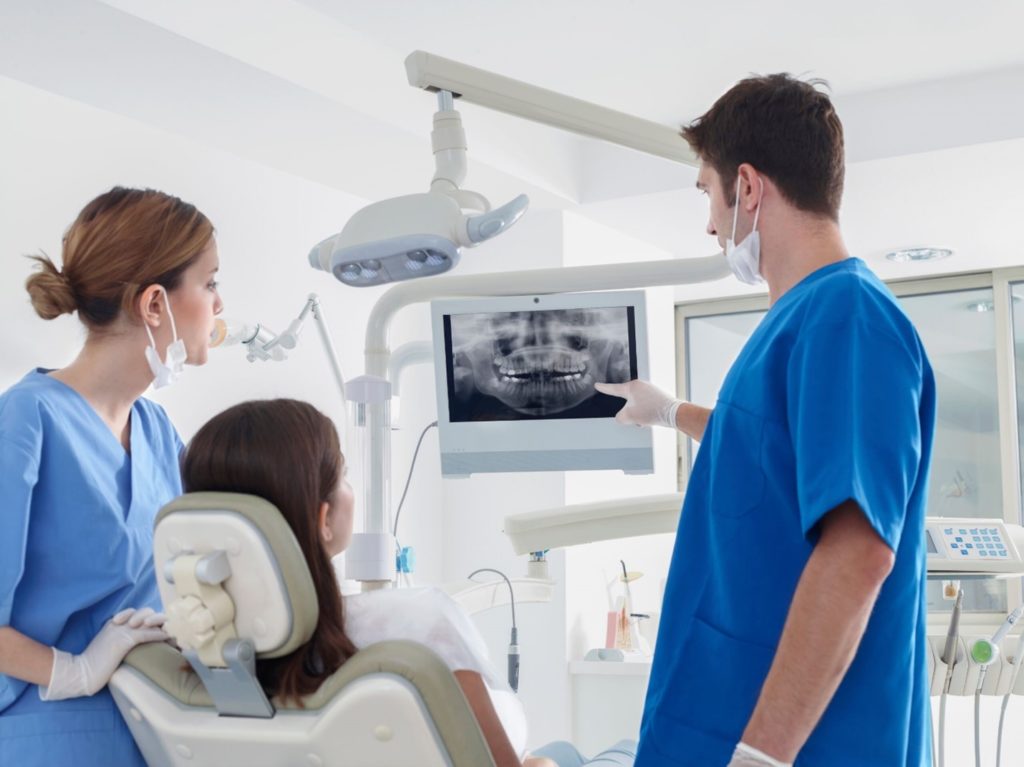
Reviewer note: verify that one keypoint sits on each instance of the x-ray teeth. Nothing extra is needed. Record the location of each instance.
(537, 364)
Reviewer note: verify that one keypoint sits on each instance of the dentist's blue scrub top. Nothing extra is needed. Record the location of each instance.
(831, 399)
(76, 546)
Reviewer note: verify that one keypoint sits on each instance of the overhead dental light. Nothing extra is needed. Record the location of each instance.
(418, 235)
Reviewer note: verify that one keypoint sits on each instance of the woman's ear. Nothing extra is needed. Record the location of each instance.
(150, 306)
(326, 534)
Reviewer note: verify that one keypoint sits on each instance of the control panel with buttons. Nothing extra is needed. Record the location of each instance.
(984, 546)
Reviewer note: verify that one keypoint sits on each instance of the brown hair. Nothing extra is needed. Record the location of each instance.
(288, 453)
(122, 242)
(784, 127)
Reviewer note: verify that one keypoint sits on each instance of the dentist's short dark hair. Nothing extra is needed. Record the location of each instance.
(787, 129)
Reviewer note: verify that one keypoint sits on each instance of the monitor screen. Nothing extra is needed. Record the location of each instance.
(539, 364)
(515, 382)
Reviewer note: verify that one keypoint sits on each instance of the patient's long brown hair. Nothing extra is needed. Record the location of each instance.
(288, 453)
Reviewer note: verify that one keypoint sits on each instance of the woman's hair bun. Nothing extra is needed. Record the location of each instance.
(50, 291)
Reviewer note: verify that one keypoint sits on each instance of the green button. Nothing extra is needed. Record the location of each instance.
(981, 651)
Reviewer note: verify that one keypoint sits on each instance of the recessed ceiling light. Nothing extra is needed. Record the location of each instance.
(906, 255)
(981, 306)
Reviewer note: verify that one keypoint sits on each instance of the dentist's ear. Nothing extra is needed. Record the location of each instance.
(751, 186)
(326, 534)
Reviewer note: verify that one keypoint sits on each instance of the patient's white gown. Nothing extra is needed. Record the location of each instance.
(430, 617)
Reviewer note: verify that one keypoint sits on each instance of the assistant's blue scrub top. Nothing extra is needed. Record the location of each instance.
(76, 546)
(831, 399)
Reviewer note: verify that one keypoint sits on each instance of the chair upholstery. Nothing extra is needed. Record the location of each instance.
(392, 704)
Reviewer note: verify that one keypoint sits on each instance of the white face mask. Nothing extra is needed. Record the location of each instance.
(745, 259)
(167, 371)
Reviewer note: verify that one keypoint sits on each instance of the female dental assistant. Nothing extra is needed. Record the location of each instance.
(85, 463)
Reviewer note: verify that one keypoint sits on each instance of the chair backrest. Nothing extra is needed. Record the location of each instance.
(234, 581)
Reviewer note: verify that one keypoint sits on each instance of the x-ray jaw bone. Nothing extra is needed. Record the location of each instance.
(541, 362)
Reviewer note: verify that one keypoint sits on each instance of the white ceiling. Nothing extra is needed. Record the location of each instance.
(317, 88)
(668, 60)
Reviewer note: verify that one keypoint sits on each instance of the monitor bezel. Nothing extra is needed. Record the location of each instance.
(555, 434)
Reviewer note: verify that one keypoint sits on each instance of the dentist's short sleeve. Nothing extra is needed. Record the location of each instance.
(854, 392)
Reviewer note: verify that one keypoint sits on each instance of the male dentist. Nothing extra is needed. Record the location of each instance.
(793, 628)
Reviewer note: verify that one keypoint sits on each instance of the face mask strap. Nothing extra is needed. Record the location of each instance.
(170, 314)
(757, 212)
(152, 341)
(736, 209)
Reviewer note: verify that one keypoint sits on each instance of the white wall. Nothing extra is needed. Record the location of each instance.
(57, 154)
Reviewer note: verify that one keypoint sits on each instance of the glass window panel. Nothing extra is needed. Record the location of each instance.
(959, 334)
(961, 344)
(713, 344)
(1017, 312)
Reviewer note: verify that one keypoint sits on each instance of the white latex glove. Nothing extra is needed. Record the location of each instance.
(646, 404)
(748, 756)
(76, 675)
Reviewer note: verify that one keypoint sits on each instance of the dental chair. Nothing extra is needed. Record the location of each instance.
(235, 587)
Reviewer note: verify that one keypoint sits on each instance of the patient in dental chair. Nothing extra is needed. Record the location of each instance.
(288, 453)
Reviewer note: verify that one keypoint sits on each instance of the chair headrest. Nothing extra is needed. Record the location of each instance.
(270, 585)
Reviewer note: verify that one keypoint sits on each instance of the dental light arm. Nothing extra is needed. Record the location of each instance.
(411, 353)
(642, 274)
(435, 73)
(418, 235)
